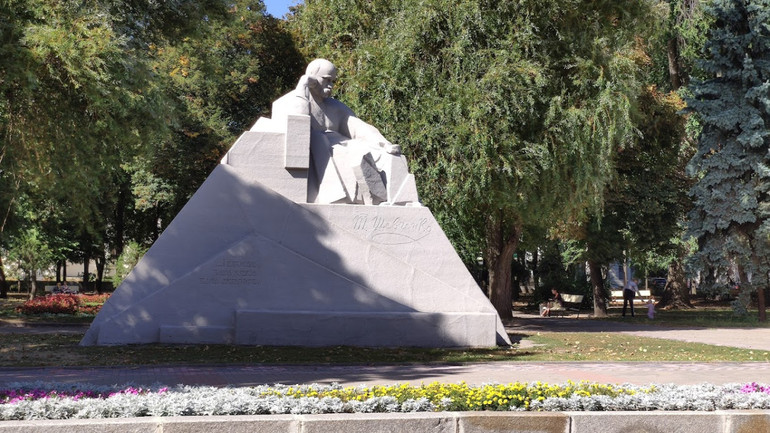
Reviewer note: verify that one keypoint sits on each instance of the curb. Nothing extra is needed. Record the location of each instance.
(738, 421)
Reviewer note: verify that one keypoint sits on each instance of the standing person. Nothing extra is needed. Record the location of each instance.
(629, 293)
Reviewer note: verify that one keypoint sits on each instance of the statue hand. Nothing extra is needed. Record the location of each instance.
(393, 149)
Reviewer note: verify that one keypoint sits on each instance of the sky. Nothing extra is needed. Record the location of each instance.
(279, 8)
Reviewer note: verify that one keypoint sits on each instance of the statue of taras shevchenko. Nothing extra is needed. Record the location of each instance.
(351, 162)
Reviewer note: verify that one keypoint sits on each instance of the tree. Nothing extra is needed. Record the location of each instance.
(682, 35)
(731, 215)
(645, 203)
(221, 80)
(509, 112)
(105, 104)
(32, 253)
(75, 94)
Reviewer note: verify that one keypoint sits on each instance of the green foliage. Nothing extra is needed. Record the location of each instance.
(131, 255)
(30, 250)
(680, 32)
(120, 109)
(730, 218)
(221, 80)
(556, 272)
(509, 112)
(76, 98)
(646, 202)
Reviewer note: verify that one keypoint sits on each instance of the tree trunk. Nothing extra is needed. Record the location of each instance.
(100, 262)
(499, 256)
(761, 304)
(32, 278)
(535, 272)
(3, 282)
(676, 294)
(120, 223)
(674, 74)
(516, 278)
(86, 264)
(597, 285)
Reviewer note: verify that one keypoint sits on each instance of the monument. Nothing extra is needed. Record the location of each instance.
(309, 233)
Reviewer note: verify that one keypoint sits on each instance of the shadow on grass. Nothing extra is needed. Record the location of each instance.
(63, 350)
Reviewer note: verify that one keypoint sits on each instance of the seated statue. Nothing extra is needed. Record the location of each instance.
(350, 160)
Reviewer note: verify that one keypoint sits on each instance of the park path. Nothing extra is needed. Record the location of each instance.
(477, 373)
(640, 373)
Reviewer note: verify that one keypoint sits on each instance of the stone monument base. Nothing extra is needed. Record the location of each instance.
(242, 264)
(249, 261)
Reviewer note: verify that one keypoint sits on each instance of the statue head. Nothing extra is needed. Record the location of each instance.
(324, 74)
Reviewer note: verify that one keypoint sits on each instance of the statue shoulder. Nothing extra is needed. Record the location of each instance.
(291, 103)
(338, 107)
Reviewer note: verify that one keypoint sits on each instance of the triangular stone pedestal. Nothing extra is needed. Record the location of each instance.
(246, 261)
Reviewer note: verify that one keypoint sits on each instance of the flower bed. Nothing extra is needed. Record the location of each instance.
(64, 304)
(46, 402)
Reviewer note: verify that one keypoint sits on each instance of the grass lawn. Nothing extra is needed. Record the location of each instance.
(705, 314)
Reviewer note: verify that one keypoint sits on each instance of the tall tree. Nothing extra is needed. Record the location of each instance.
(221, 80)
(508, 111)
(682, 37)
(731, 214)
(31, 252)
(75, 93)
(647, 199)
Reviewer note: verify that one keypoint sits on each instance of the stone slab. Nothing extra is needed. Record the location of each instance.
(310, 328)
(748, 421)
(232, 424)
(646, 422)
(438, 422)
(380, 423)
(297, 144)
(113, 425)
(192, 334)
(265, 154)
(527, 422)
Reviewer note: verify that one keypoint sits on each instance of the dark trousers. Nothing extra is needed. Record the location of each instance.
(628, 298)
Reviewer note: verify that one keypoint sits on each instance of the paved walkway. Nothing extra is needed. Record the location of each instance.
(501, 372)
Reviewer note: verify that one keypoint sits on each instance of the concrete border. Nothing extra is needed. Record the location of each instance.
(738, 421)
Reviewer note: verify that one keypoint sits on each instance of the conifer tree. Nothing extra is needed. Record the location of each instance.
(731, 214)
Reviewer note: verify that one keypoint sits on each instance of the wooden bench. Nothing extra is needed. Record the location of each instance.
(570, 304)
(72, 289)
(616, 297)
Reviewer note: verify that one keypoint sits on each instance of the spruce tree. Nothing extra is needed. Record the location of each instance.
(731, 214)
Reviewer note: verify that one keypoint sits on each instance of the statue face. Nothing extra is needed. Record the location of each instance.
(321, 74)
(326, 77)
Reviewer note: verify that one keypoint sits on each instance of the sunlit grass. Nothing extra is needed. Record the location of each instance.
(608, 346)
(712, 317)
